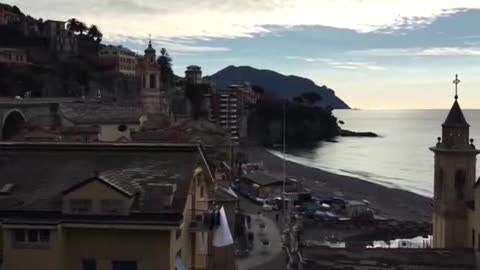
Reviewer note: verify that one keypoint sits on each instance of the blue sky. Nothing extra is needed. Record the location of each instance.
(373, 53)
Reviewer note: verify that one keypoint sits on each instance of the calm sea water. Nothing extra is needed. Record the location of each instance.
(399, 158)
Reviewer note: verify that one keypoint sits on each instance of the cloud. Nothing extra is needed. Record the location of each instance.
(433, 51)
(241, 18)
(175, 46)
(351, 65)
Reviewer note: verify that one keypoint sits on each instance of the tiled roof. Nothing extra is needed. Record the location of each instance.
(262, 178)
(223, 194)
(99, 113)
(116, 179)
(41, 173)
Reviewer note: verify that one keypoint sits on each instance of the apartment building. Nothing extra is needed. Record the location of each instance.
(104, 206)
(118, 59)
(230, 106)
(8, 15)
(60, 41)
(13, 56)
(193, 74)
(226, 111)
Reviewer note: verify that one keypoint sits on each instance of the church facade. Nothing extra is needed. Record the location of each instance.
(456, 215)
(151, 91)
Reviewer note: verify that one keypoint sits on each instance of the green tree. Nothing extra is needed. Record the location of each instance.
(298, 99)
(94, 33)
(311, 98)
(165, 62)
(76, 26)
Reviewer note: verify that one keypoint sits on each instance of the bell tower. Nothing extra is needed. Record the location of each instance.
(151, 95)
(454, 176)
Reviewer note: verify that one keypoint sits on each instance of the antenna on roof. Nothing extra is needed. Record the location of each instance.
(285, 213)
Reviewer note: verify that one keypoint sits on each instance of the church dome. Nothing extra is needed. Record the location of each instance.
(150, 49)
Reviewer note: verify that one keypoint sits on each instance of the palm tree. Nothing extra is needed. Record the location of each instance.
(94, 33)
(82, 27)
(72, 24)
(76, 26)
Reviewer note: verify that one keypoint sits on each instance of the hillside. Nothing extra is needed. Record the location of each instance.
(278, 84)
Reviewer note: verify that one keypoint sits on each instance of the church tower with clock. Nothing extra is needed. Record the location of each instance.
(454, 217)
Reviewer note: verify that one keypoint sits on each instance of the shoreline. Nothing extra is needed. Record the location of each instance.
(388, 202)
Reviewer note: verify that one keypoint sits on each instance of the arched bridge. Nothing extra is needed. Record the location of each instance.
(15, 113)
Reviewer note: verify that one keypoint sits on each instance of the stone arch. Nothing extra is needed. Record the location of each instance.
(12, 123)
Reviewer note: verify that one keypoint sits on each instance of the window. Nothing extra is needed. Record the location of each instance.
(439, 185)
(44, 236)
(80, 206)
(153, 81)
(478, 242)
(460, 185)
(122, 128)
(20, 236)
(202, 191)
(111, 206)
(33, 236)
(89, 264)
(473, 238)
(23, 236)
(124, 265)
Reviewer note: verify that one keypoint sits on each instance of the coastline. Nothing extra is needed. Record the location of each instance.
(388, 202)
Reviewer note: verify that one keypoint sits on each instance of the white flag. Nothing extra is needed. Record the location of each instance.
(222, 236)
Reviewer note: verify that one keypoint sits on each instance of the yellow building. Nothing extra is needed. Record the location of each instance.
(114, 123)
(456, 217)
(13, 56)
(118, 59)
(104, 206)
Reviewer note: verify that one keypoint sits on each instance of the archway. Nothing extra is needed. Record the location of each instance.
(12, 124)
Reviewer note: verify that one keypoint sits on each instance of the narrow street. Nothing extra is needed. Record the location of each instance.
(262, 256)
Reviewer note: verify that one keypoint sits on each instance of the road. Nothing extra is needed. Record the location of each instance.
(262, 256)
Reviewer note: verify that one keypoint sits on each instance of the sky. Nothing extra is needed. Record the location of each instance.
(374, 53)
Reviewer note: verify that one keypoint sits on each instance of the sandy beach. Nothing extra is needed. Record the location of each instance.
(387, 202)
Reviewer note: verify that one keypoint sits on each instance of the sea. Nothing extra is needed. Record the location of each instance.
(398, 158)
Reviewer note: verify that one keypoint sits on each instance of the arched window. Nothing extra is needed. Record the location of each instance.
(153, 81)
(439, 185)
(122, 128)
(460, 184)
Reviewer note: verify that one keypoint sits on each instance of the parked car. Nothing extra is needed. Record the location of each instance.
(267, 207)
(273, 203)
(259, 200)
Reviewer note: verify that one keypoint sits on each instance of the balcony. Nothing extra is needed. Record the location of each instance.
(229, 99)
(229, 111)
